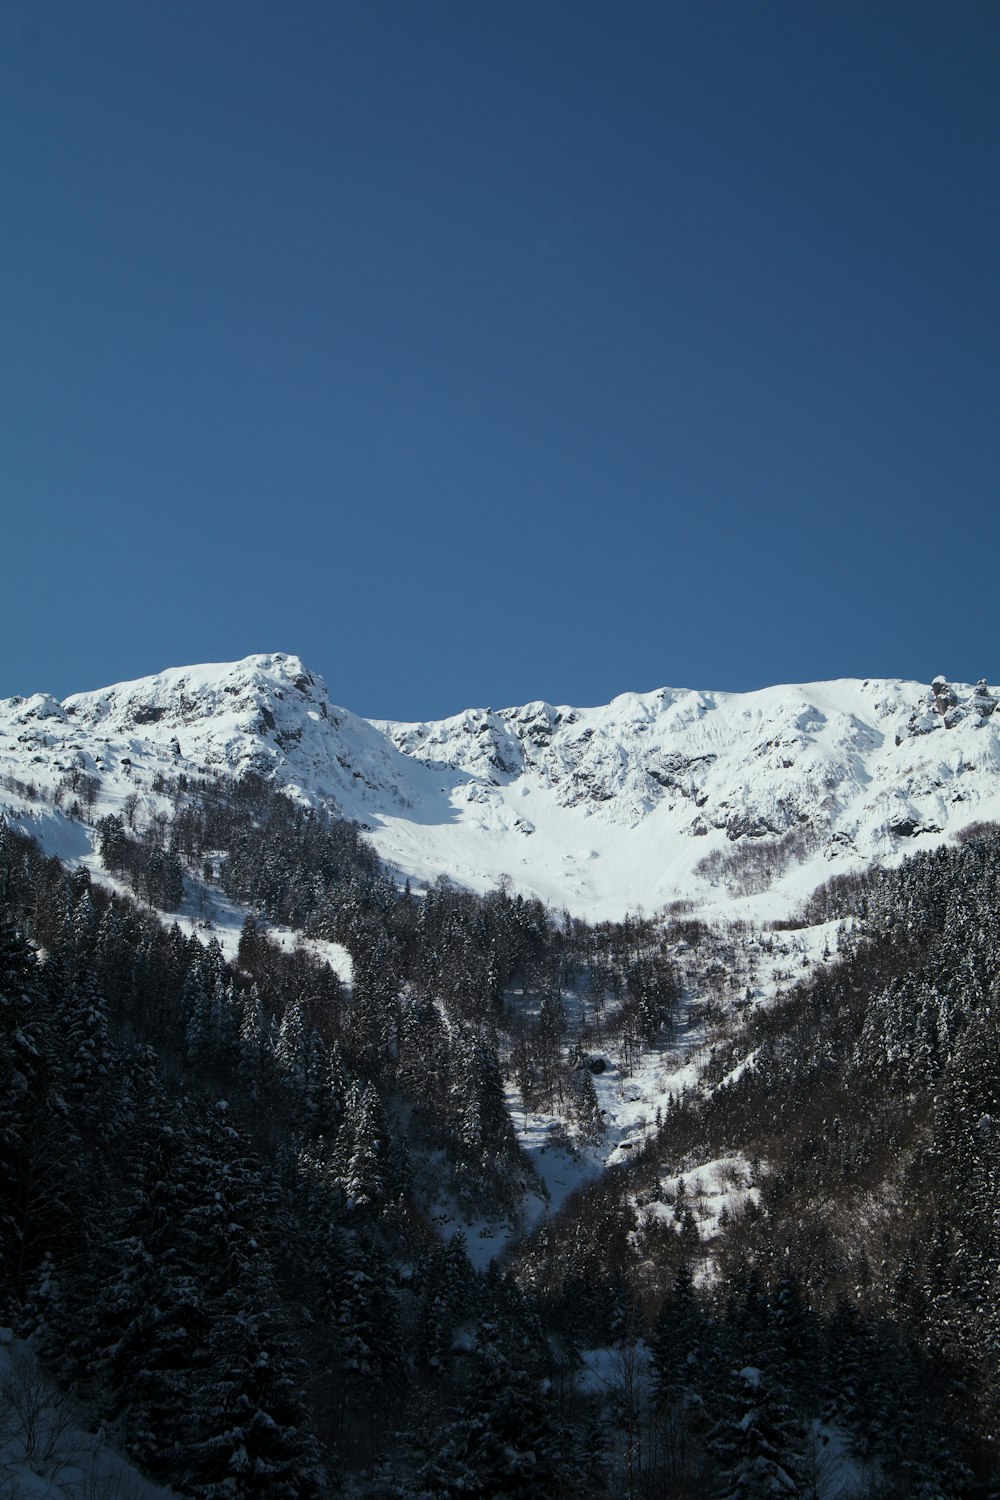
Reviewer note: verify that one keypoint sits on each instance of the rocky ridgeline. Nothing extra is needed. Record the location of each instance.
(945, 708)
(595, 808)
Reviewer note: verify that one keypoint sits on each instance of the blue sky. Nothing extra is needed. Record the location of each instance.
(480, 352)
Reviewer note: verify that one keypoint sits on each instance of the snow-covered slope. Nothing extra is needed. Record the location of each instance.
(657, 796)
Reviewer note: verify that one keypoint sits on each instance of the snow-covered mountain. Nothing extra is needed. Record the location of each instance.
(675, 794)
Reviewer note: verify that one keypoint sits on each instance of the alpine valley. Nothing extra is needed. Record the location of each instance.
(541, 1101)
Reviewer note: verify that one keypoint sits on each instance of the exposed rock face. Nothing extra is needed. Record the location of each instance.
(943, 708)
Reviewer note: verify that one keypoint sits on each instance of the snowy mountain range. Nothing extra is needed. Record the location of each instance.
(715, 798)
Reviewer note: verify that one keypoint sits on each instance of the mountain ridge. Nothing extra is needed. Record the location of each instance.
(642, 801)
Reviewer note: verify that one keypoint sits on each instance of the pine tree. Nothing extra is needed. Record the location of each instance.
(758, 1444)
(365, 1151)
(506, 1439)
(248, 1433)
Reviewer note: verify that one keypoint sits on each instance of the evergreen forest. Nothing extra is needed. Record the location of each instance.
(219, 1176)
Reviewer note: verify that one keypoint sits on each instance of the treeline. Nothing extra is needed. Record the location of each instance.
(491, 972)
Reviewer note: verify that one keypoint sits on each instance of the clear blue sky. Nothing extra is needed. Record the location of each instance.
(499, 349)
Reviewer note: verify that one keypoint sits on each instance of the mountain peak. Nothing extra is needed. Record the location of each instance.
(183, 692)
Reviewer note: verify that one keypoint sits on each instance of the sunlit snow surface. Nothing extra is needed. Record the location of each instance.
(597, 811)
